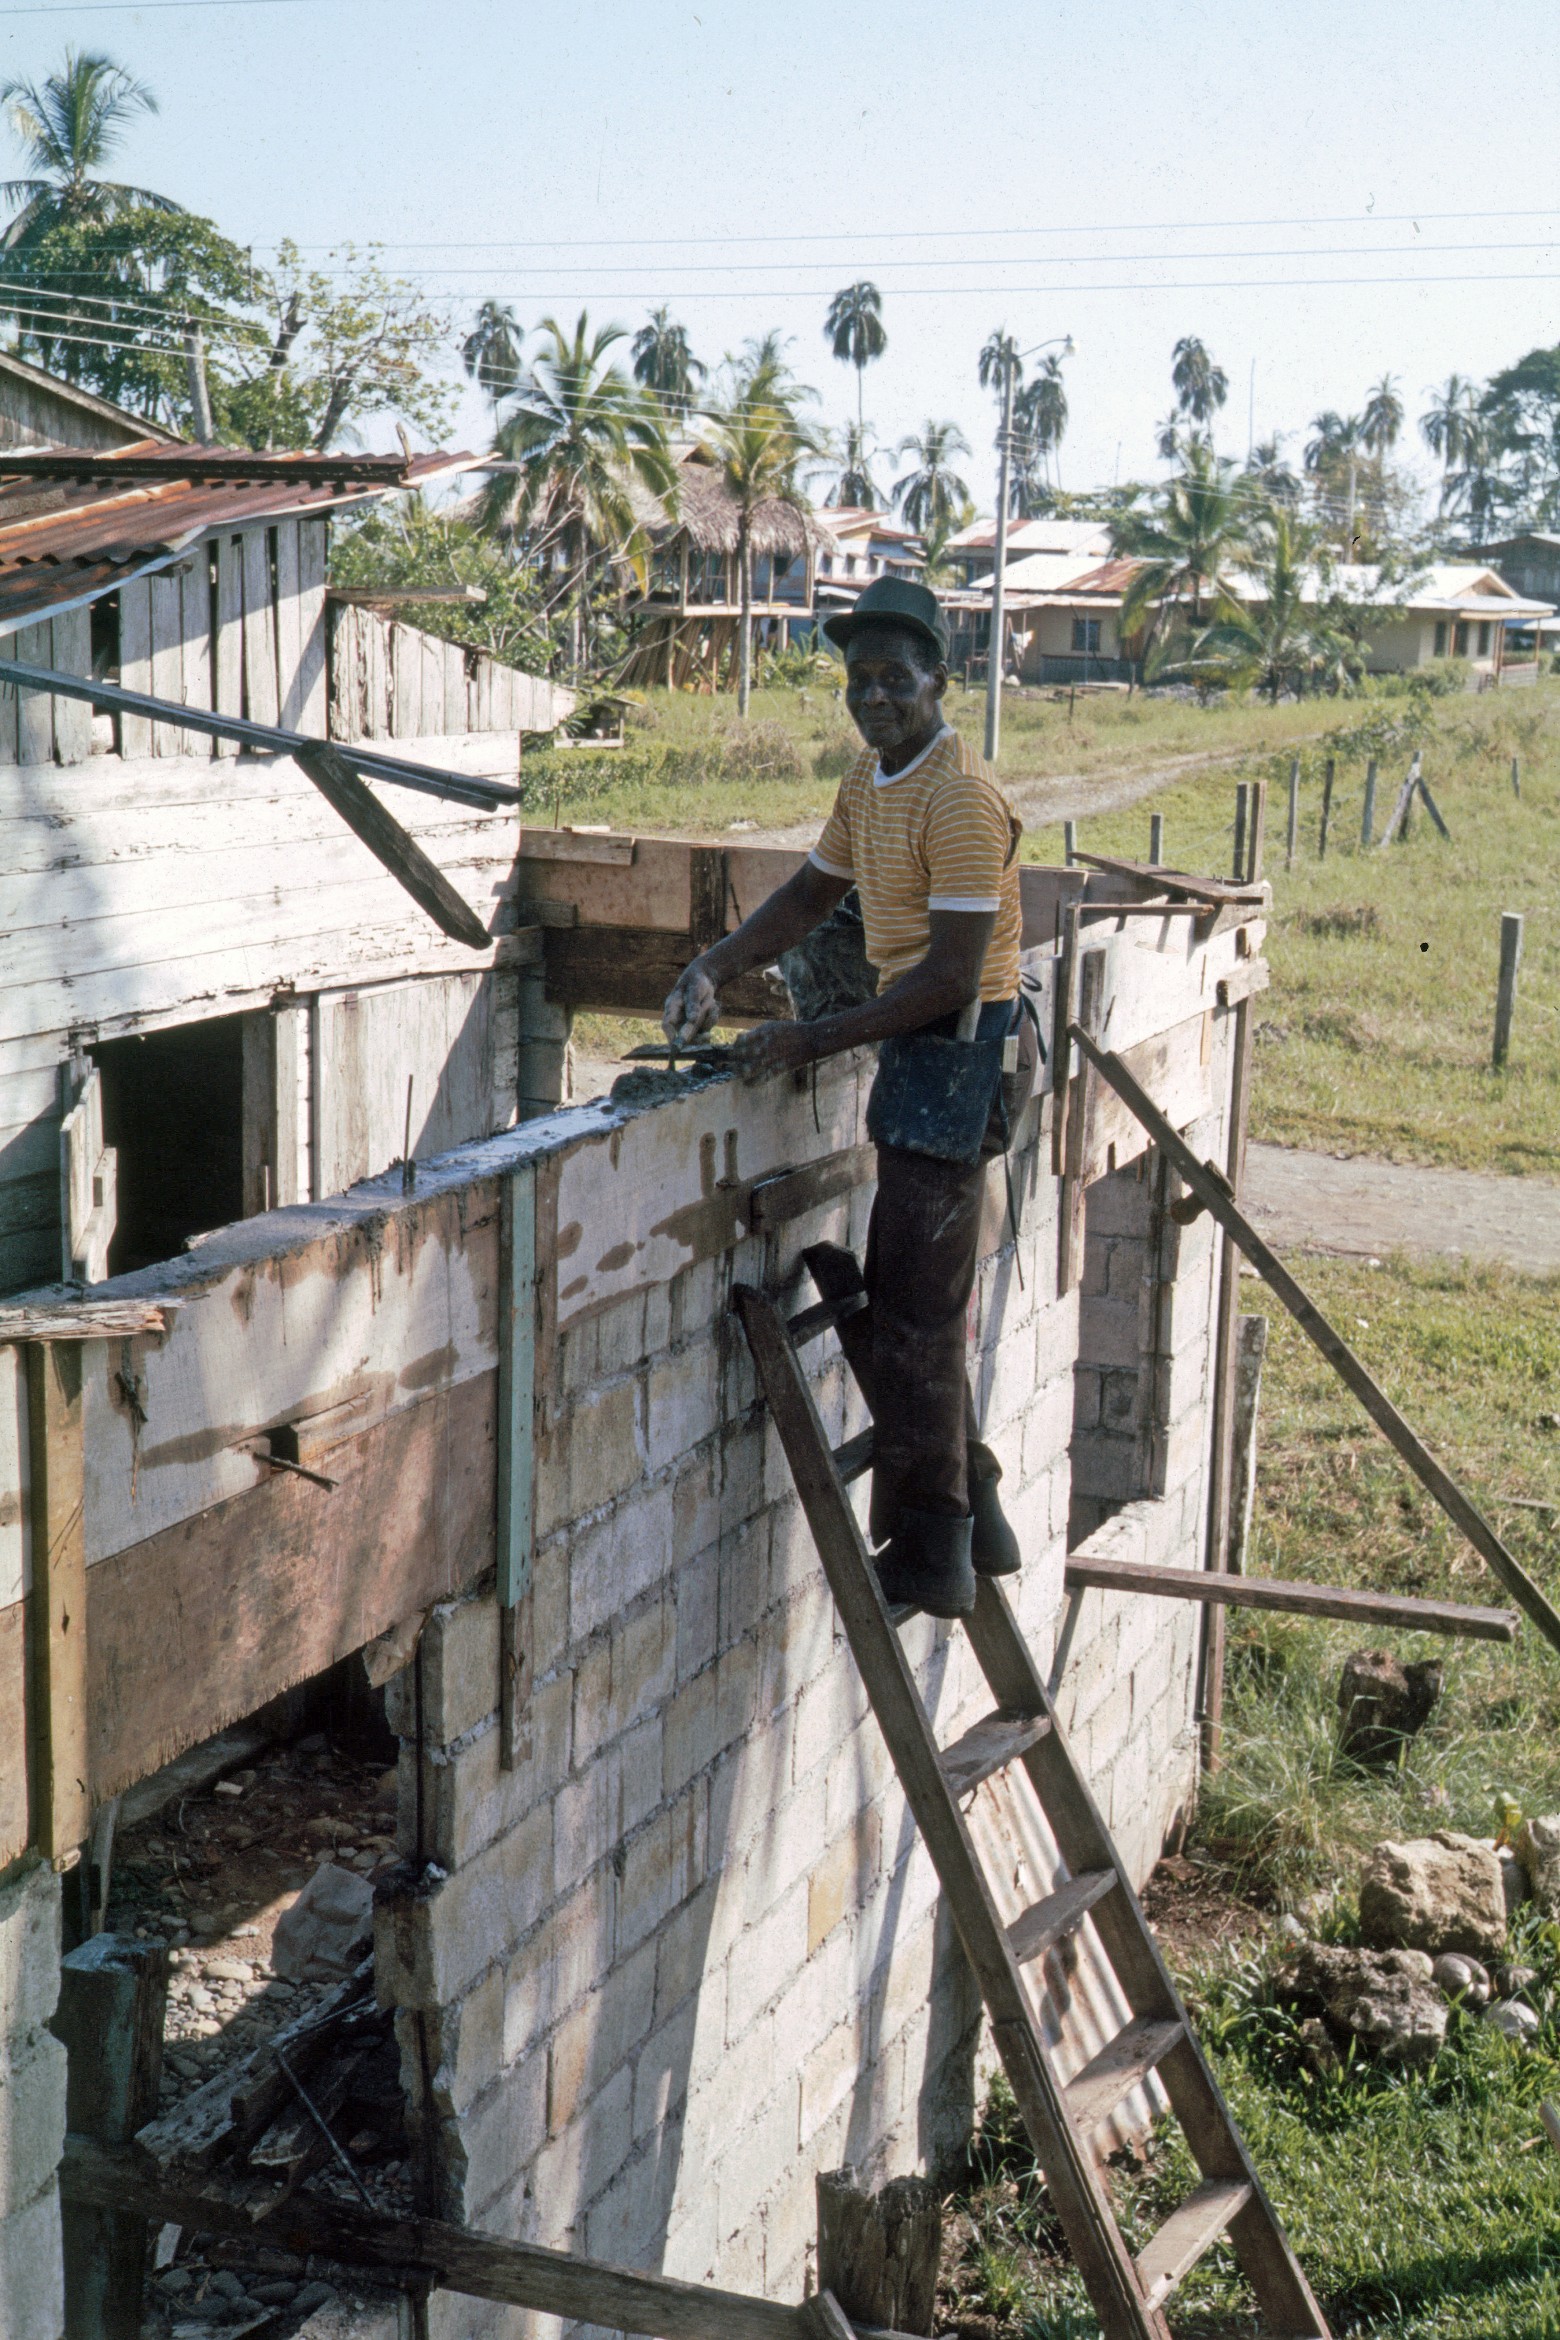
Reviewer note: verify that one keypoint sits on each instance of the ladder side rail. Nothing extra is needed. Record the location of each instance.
(1071, 2173)
(1085, 1842)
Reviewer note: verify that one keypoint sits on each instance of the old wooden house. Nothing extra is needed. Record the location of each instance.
(685, 622)
(212, 998)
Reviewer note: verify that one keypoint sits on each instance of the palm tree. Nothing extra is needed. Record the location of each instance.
(758, 442)
(1333, 448)
(68, 125)
(1270, 638)
(1446, 424)
(1382, 419)
(490, 352)
(930, 496)
(1270, 475)
(1198, 531)
(849, 457)
(664, 363)
(854, 331)
(998, 352)
(581, 436)
(1200, 386)
(1041, 415)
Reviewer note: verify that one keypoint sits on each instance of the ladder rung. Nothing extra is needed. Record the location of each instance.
(994, 1742)
(1033, 1934)
(854, 1457)
(822, 1315)
(1118, 2069)
(1187, 2233)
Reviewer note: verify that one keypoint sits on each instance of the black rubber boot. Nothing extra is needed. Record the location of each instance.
(926, 1565)
(994, 1547)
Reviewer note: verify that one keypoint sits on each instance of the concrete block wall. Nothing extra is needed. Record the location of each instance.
(32, 2109)
(689, 1950)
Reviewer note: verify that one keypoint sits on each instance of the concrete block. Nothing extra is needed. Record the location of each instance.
(620, 1680)
(32, 2117)
(474, 1799)
(591, 1454)
(29, 1948)
(1118, 1399)
(557, 1968)
(690, 1953)
(430, 1947)
(574, 2166)
(626, 2223)
(658, 1868)
(682, 1402)
(744, 1579)
(598, 2037)
(1129, 1259)
(612, 1561)
(764, 1958)
(501, 2133)
(1110, 1332)
(622, 1340)
(757, 2156)
(32, 2271)
(1113, 1468)
(696, 1596)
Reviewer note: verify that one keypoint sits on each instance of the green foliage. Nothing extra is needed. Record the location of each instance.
(932, 497)
(339, 349)
(68, 125)
(406, 545)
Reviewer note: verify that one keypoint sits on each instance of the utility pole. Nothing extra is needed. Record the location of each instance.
(200, 396)
(994, 644)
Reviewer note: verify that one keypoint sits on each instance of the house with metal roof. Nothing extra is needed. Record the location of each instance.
(221, 984)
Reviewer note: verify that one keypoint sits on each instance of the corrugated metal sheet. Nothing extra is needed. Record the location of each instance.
(68, 543)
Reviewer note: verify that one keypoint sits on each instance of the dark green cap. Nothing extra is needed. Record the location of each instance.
(892, 601)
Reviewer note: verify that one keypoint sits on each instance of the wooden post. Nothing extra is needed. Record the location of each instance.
(1239, 869)
(57, 1604)
(1069, 842)
(1368, 816)
(878, 2253)
(1251, 1337)
(1506, 987)
(1328, 776)
(1222, 1449)
(113, 1993)
(1294, 812)
(1516, 777)
(1156, 839)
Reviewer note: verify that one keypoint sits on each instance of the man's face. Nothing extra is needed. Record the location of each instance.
(893, 685)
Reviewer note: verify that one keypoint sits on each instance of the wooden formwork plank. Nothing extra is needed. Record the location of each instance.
(61, 1807)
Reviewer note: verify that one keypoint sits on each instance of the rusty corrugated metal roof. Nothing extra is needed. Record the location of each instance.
(62, 543)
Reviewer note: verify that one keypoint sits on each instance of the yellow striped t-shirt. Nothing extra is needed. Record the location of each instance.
(940, 835)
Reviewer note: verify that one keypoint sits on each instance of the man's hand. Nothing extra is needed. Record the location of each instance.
(692, 1006)
(772, 1048)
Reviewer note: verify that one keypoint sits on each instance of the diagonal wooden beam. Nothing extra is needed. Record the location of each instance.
(389, 843)
(1212, 1191)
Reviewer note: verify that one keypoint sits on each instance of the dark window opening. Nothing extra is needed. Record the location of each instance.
(105, 638)
(1086, 636)
(173, 1109)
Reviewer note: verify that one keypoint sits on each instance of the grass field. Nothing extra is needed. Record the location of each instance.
(1420, 2205)
(1375, 1037)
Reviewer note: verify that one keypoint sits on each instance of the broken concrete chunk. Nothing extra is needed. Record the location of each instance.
(319, 1938)
(1383, 2000)
(1513, 2017)
(1381, 1703)
(1538, 1849)
(1441, 1892)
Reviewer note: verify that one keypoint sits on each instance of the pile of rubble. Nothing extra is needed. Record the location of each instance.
(1435, 1915)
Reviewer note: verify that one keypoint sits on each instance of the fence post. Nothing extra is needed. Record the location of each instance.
(1368, 816)
(1516, 777)
(1242, 792)
(1506, 987)
(1156, 838)
(1294, 812)
(1069, 842)
(1328, 777)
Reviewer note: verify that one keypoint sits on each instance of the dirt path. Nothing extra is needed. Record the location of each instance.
(1314, 1202)
(1060, 796)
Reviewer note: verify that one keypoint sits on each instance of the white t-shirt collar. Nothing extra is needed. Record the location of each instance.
(882, 779)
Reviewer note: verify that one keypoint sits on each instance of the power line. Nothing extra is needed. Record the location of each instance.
(941, 235)
(1013, 292)
(141, 7)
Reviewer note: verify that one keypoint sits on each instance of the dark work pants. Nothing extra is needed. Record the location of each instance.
(922, 1249)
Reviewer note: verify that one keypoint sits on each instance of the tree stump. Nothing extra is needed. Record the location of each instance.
(878, 2253)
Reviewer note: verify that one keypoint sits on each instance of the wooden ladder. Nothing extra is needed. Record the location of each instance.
(1128, 2292)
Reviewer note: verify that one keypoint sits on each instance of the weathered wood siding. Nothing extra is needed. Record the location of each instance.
(392, 681)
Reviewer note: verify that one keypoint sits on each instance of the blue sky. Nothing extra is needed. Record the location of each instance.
(1124, 174)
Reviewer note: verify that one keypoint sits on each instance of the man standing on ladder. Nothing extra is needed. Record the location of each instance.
(922, 831)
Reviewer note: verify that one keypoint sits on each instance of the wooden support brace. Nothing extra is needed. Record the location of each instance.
(113, 1995)
(458, 2258)
(1226, 1590)
(390, 844)
(57, 1604)
(1210, 1190)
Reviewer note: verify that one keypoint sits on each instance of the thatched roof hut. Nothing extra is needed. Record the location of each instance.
(708, 513)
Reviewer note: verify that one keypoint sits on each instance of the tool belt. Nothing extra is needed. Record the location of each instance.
(939, 1095)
